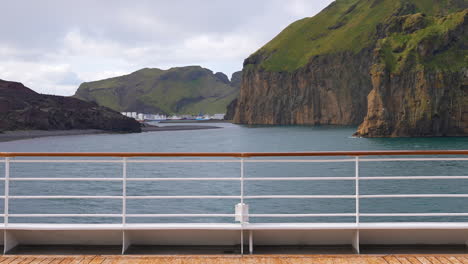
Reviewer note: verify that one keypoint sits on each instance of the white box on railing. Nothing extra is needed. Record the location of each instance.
(242, 212)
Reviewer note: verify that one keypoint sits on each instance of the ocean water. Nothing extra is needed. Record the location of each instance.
(235, 138)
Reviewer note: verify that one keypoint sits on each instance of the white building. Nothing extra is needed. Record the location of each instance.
(218, 116)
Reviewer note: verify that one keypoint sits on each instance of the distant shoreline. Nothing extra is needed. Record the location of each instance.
(194, 121)
(29, 134)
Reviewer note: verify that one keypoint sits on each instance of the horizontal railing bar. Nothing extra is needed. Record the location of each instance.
(184, 161)
(238, 197)
(300, 161)
(246, 179)
(411, 214)
(237, 154)
(237, 161)
(233, 215)
(120, 197)
(416, 159)
(184, 197)
(299, 197)
(65, 215)
(120, 215)
(62, 197)
(414, 196)
(183, 179)
(412, 177)
(298, 178)
(65, 179)
(65, 161)
(302, 215)
(180, 215)
(181, 161)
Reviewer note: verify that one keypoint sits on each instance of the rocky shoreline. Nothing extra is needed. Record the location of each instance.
(29, 134)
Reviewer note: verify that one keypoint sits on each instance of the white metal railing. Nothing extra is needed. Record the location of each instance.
(242, 197)
(242, 180)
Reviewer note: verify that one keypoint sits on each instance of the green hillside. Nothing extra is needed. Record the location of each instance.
(184, 90)
(352, 25)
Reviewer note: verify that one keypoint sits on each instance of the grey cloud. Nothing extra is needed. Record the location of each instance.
(95, 37)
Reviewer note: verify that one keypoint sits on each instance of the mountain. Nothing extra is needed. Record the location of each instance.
(394, 67)
(184, 90)
(23, 109)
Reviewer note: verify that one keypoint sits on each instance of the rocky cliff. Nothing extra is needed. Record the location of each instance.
(183, 90)
(420, 83)
(397, 67)
(23, 109)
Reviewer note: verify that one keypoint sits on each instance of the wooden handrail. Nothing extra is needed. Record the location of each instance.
(237, 154)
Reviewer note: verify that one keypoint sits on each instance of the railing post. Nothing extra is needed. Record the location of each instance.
(242, 202)
(242, 180)
(7, 190)
(124, 190)
(357, 190)
(355, 241)
(241, 209)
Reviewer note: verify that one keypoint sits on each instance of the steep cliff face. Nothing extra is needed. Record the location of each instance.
(332, 90)
(182, 90)
(364, 60)
(236, 81)
(23, 109)
(420, 83)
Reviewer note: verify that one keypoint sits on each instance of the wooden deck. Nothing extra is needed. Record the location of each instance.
(263, 259)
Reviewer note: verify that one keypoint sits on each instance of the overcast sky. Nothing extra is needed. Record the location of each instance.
(54, 45)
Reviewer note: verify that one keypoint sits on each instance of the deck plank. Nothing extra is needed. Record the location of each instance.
(236, 259)
(97, 260)
(403, 260)
(43, 259)
(27, 260)
(5, 259)
(324, 260)
(462, 259)
(444, 259)
(454, 260)
(342, 260)
(435, 260)
(413, 260)
(372, 260)
(424, 260)
(16, 260)
(391, 260)
(67, 260)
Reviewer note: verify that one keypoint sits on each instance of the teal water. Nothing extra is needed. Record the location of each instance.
(234, 138)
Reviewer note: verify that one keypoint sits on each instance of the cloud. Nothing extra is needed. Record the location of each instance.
(52, 45)
(46, 78)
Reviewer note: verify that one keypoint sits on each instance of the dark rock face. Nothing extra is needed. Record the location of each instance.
(222, 77)
(23, 109)
(332, 89)
(231, 110)
(236, 79)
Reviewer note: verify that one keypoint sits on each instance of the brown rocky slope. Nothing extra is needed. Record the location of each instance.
(23, 109)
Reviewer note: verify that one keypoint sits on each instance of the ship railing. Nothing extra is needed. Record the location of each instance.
(242, 215)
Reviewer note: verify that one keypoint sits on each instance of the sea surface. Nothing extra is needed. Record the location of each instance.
(235, 138)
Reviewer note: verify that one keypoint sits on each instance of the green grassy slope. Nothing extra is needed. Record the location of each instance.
(346, 25)
(184, 90)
